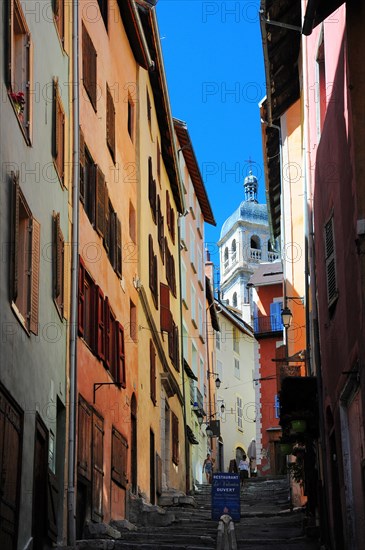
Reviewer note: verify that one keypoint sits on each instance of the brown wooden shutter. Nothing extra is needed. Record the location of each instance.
(113, 237)
(84, 437)
(60, 137)
(107, 330)
(89, 63)
(172, 224)
(152, 372)
(121, 375)
(59, 12)
(81, 304)
(110, 122)
(15, 237)
(97, 469)
(165, 313)
(168, 211)
(175, 438)
(160, 229)
(34, 277)
(82, 166)
(54, 121)
(152, 190)
(107, 233)
(119, 458)
(100, 202)
(92, 191)
(57, 256)
(118, 251)
(52, 506)
(100, 323)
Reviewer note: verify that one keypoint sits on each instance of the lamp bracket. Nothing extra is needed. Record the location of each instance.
(98, 385)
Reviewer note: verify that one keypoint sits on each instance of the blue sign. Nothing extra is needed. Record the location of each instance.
(226, 496)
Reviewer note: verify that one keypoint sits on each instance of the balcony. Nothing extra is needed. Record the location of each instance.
(255, 255)
(267, 325)
(196, 398)
(272, 256)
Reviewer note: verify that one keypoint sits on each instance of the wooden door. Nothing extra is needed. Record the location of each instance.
(40, 481)
(11, 434)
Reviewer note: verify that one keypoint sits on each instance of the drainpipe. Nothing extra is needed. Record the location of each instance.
(71, 507)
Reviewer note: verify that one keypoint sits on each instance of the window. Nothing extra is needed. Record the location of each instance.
(58, 258)
(119, 458)
(175, 438)
(89, 67)
(234, 251)
(183, 230)
(158, 161)
(130, 119)
(87, 180)
(59, 17)
(170, 217)
(275, 316)
(103, 6)
(165, 312)
(255, 242)
(152, 193)
(153, 392)
(321, 87)
(234, 299)
(239, 413)
(170, 269)
(110, 122)
(237, 368)
(236, 339)
(183, 283)
(19, 51)
(58, 137)
(220, 369)
(149, 111)
(160, 230)
(133, 321)
(193, 305)
(192, 249)
(201, 375)
(200, 266)
(152, 271)
(173, 345)
(51, 452)
(132, 223)
(226, 260)
(277, 407)
(25, 260)
(194, 359)
(218, 340)
(330, 256)
(200, 320)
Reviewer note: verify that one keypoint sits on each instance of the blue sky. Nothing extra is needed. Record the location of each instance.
(215, 75)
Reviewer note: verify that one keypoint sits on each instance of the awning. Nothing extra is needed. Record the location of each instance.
(317, 11)
(188, 371)
(191, 437)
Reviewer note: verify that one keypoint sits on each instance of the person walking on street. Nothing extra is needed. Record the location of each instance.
(243, 467)
(208, 468)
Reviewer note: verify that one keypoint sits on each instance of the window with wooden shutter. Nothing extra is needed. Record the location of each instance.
(110, 122)
(172, 225)
(119, 459)
(168, 211)
(153, 393)
(58, 264)
(82, 166)
(100, 202)
(175, 438)
(160, 229)
(330, 255)
(89, 67)
(59, 17)
(152, 259)
(121, 374)
(165, 313)
(81, 300)
(107, 332)
(100, 324)
(25, 260)
(97, 468)
(19, 53)
(90, 186)
(11, 439)
(173, 345)
(170, 270)
(89, 311)
(84, 439)
(107, 222)
(149, 111)
(130, 122)
(118, 250)
(58, 132)
(152, 192)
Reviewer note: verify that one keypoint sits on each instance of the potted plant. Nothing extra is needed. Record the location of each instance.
(18, 100)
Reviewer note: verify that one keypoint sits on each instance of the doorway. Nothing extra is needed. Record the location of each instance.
(40, 478)
(152, 469)
(134, 444)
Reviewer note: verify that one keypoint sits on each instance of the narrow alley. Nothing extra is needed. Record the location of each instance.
(266, 520)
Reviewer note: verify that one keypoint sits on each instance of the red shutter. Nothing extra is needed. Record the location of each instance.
(34, 276)
(165, 313)
(81, 308)
(84, 437)
(100, 324)
(121, 375)
(107, 330)
(97, 469)
(100, 202)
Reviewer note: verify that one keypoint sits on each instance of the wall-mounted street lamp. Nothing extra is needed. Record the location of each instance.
(286, 314)
(217, 380)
